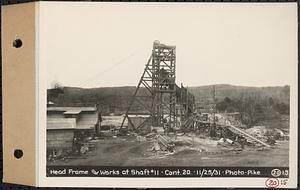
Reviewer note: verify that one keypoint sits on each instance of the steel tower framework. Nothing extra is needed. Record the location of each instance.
(158, 79)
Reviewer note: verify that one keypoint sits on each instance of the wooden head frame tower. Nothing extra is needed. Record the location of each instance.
(158, 79)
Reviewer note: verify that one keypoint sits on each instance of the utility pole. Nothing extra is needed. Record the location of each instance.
(213, 124)
(214, 104)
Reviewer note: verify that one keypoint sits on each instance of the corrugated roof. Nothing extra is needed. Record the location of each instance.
(85, 117)
(144, 116)
(72, 109)
(72, 112)
(61, 123)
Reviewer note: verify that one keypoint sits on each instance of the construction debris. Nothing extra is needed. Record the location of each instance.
(229, 141)
(140, 138)
(165, 143)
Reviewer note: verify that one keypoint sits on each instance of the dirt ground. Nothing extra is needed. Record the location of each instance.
(127, 151)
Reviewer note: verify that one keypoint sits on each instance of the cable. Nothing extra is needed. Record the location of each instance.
(96, 76)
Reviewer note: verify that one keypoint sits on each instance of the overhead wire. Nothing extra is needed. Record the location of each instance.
(103, 72)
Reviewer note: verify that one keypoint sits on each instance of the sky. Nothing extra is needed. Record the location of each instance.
(108, 44)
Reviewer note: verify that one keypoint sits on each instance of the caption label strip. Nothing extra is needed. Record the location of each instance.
(90, 171)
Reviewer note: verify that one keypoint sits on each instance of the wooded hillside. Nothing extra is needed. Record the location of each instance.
(116, 99)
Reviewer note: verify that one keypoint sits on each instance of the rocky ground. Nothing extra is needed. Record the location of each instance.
(188, 151)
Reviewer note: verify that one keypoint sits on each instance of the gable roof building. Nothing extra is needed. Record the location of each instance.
(72, 117)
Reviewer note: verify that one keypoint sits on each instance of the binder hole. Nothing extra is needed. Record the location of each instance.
(17, 43)
(18, 153)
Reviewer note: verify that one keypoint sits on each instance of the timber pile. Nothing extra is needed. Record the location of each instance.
(189, 123)
(248, 137)
(165, 143)
(235, 129)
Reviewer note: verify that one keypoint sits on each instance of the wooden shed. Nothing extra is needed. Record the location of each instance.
(60, 132)
(87, 118)
(60, 136)
(64, 124)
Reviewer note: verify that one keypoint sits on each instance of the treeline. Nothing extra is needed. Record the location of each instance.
(253, 109)
(109, 99)
(204, 93)
(252, 102)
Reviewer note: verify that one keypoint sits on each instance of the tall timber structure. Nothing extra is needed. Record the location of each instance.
(162, 94)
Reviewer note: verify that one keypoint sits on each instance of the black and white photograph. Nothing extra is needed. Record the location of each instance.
(169, 86)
